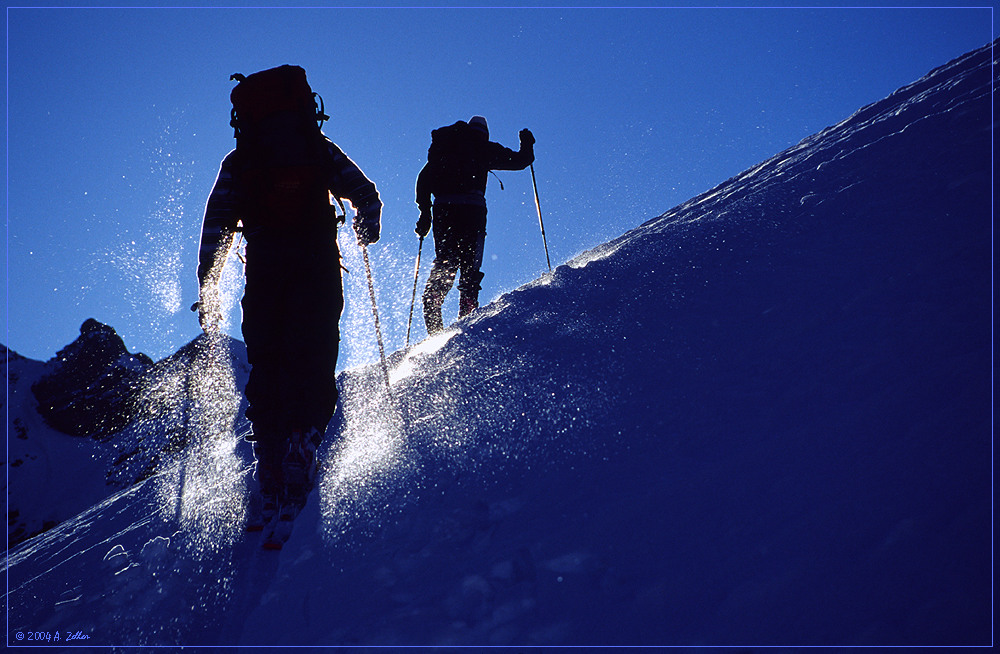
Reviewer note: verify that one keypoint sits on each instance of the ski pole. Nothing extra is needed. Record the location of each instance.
(378, 325)
(413, 300)
(188, 425)
(188, 401)
(538, 207)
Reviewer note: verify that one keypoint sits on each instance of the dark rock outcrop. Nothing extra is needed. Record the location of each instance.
(93, 383)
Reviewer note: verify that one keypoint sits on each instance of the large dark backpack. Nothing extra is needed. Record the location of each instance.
(282, 156)
(453, 157)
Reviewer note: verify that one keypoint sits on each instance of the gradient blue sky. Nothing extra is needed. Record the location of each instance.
(118, 118)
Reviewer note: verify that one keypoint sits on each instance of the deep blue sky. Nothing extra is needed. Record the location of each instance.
(118, 118)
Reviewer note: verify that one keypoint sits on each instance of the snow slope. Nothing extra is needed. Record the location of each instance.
(96, 418)
(762, 418)
(39, 458)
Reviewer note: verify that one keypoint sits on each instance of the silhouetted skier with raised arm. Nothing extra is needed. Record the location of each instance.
(276, 188)
(458, 163)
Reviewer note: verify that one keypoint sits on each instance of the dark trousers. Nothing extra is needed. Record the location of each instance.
(459, 238)
(292, 304)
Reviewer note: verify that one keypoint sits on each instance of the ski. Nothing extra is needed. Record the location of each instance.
(260, 513)
(278, 531)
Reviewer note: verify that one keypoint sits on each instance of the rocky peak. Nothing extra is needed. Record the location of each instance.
(90, 383)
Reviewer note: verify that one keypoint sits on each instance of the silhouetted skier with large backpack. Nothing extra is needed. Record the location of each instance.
(276, 189)
(458, 163)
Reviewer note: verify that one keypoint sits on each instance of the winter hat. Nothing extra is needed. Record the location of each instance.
(479, 123)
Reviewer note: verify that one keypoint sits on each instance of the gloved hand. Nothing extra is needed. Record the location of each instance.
(527, 138)
(423, 223)
(367, 231)
(209, 310)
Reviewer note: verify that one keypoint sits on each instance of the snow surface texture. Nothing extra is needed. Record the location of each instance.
(762, 418)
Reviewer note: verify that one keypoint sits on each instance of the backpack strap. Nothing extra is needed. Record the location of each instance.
(321, 116)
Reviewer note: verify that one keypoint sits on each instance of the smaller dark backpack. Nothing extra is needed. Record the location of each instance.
(453, 158)
(281, 154)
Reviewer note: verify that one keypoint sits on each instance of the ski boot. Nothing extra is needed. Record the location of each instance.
(263, 508)
(299, 466)
(467, 304)
(298, 476)
(280, 529)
